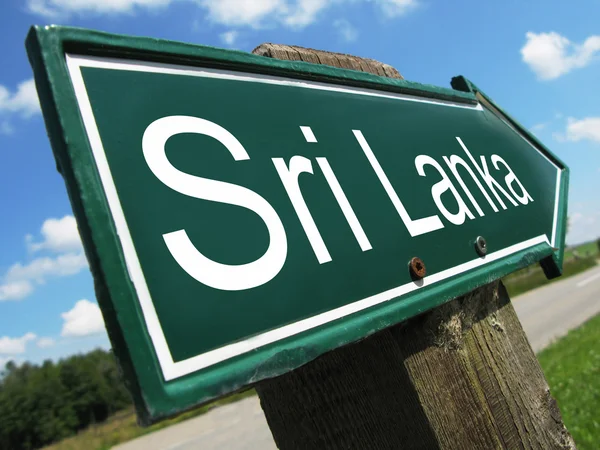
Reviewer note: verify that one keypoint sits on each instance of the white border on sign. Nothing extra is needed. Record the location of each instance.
(171, 369)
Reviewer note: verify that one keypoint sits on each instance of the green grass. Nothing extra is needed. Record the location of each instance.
(587, 249)
(532, 277)
(123, 427)
(572, 368)
(571, 365)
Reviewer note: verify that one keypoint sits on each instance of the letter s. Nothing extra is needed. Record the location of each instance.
(216, 275)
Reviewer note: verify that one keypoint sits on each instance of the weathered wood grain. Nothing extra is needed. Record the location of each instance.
(462, 376)
(295, 53)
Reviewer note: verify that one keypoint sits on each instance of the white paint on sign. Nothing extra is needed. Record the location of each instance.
(415, 227)
(211, 273)
(271, 262)
(342, 200)
(289, 178)
(308, 134)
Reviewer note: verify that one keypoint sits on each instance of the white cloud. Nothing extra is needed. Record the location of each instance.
(582, 129)
(57, 8)
(551, 55)
(19, 280)
(305, 12)
(225, 12)
(295, 14)
(396, 8)
(15, 346)
(244, 13)
(23, 102)
(83, 320)
(45, 342)
(60, 235)
(40, 269)
(15, 291)
(538, 127)
(345, 29)
(583, 227)
(229, 37)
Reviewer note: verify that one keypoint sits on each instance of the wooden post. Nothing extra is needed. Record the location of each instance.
(462, 376)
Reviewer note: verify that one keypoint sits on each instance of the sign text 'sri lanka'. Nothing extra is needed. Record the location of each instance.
(499, 195)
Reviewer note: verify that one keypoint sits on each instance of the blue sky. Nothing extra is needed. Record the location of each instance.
(539, 60)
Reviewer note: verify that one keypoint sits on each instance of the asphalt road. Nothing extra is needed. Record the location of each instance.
(551, 311)
(546, 314)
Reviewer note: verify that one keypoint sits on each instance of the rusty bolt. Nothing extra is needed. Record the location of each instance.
(480, 246)
(417, 268)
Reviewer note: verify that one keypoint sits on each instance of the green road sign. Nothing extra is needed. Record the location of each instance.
(243, 215)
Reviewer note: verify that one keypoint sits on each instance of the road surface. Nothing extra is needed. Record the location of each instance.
(546, 314)
(551, 311)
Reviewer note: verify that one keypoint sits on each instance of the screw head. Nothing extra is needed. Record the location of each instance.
(480, 246)
(417, 268)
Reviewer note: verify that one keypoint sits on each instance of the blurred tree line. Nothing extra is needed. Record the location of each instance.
(42, 404)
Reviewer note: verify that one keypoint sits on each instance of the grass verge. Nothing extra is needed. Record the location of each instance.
(532, 277)
(584, 250)
(572, 368)
(123, 427)
(569, 375)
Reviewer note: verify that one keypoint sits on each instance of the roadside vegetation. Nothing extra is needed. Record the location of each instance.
(81, 403)
(40, 404)
(572, 368)
(123, 427)
(584, 250)
(576, 260)
(533, 277)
